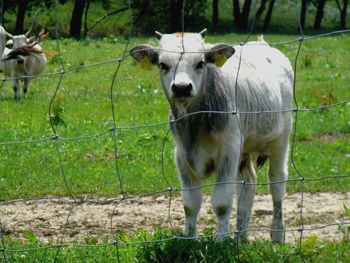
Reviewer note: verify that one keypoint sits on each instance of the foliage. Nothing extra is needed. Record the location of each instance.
(148, 13)
(164, 246)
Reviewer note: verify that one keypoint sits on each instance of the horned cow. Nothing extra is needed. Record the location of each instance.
(22, 58)
(226, 142)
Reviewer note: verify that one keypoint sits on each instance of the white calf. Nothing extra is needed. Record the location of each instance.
(255, 78)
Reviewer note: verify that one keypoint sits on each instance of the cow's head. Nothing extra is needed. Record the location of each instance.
(182, 60)
(19, 41)
(15, 43)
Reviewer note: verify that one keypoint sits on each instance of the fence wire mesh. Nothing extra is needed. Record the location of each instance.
(113, 133)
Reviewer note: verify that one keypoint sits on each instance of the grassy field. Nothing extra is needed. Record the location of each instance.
(82, 116)
(82, 107)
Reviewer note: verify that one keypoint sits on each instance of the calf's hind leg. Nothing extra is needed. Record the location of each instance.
(278, 173)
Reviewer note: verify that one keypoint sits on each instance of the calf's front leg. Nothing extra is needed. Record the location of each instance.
(191, 196)
(222, 195)
(16, 89)
(25, 87)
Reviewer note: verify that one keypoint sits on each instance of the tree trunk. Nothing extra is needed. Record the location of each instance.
(215, 17)
(21, 12)
(319, 14)
(241, 18)
(77, 15)
(268, 16)
(245, 13)
(85, 18)
(303, 13)
(237, 14)
(343, 14)
(261, 9)
(175, 18)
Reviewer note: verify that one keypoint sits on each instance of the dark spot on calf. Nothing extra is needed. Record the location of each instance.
(221, 210)
(209, 166)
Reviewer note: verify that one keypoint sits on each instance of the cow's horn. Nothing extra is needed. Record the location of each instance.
(158, 35)
(33, 22)
(8, 34)
(203, 32)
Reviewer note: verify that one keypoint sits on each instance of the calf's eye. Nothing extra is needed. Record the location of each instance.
(200, 65)
(163, 67)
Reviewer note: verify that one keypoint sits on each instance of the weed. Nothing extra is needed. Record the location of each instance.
(307, 60)
(57, 109)
(344, 229)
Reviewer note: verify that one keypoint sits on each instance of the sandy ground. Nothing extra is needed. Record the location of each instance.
(47, 217)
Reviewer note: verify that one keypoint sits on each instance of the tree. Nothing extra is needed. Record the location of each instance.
(304, 6)
(343, 12)
(241, 18)
(268, 16)
(319, 14)
(76, 20)
(147, 15)
(261, 9)
(21, 12)
(215, 15)
(86, 17)
(175, 11)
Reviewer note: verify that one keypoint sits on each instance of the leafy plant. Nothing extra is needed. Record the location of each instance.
(57, 109)
(345, 230)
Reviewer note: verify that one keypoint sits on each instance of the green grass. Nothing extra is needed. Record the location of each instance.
(166, 248)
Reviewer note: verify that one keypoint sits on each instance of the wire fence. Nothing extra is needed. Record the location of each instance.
(170, 191)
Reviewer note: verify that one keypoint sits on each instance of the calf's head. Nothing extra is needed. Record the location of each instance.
(182, 60)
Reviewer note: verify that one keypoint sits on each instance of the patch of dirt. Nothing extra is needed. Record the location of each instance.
(327, 138)
(49, 218)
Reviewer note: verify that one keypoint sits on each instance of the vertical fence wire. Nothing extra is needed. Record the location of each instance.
(2, 230)
(8, 253)
(114, 132)
(294, 134)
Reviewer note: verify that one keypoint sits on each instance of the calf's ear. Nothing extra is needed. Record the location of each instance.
(219, 53)
(145, 54)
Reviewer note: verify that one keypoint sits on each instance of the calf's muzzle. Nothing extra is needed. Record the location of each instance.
(181, 90)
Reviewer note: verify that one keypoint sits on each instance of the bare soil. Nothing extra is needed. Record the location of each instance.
(51, 218)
